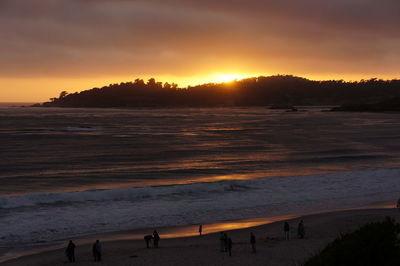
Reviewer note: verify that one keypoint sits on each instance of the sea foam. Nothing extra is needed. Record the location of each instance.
(31, 218)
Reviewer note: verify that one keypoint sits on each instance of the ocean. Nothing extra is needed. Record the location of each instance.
(67, 173)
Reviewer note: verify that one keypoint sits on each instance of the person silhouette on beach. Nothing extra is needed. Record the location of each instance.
(156, 238)
(221, 242)
(286, 230)
(147, 239)
(229, 244)
(200, 229)
(70, 251)
(96, 249)
(253, 243)
(225, 242)
(398, 204)
(301, 230)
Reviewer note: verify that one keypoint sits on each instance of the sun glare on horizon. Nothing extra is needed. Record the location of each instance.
(227, 77)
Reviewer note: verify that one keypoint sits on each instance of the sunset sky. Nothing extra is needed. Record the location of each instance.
(47, 46)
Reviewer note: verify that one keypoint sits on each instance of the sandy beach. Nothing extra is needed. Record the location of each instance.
(272, 249)
(272, 125)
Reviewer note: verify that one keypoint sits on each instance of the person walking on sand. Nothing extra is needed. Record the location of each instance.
(222, 242)
(200, 229)
(229, 246)
(156, 238)
(147, 239)
(97, 250)
(94, 251)
(225, 242)
(301, 230)
(286, 230)
(398, 204)
(253, 243)
(70, 251)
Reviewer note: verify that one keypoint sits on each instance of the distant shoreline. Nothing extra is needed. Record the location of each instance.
(289, 109)
(278, 90)
(16, 104)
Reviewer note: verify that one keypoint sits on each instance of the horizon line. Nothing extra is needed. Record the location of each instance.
(216, 83)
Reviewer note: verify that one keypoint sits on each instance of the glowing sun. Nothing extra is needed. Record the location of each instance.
(224, 78)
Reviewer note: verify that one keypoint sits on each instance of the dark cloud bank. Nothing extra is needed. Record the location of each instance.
(182, 37)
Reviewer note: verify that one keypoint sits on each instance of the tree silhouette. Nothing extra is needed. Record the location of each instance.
(257, 91)
(63, 94)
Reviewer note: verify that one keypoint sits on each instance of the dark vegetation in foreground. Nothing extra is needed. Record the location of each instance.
(373, 244)
(260, 91)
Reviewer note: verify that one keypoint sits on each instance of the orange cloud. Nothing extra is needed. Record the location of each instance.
(189, 41)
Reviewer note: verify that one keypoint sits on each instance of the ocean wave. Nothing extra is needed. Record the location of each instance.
(47, 217)
(81, 129)
(337, 182)
(124, 194)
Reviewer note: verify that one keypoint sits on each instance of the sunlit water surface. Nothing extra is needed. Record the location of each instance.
(73, 172)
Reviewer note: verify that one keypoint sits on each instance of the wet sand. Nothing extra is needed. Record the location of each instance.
(272, 249)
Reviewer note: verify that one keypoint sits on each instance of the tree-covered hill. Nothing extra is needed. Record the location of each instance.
(258, 91)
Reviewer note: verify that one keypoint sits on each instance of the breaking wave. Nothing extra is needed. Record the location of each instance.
(47, 217)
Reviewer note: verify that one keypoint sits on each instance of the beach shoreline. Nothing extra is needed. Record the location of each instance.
(321, 228)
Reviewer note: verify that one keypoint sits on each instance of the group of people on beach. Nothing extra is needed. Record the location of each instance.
(155, 237)
(225, 241)
(70, 251)
(301, 231)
